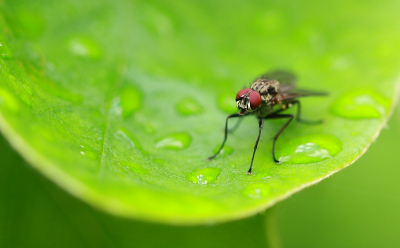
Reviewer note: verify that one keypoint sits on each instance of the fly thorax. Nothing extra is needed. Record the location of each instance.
(267, 88)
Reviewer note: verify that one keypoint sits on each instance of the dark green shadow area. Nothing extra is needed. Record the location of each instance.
(36, 213)
(358, 207)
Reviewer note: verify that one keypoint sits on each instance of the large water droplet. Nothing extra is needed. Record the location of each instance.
(310, 149)
(227, 103)
(204, 175)
(175, 141)
(256, 190)
(131, 100)
(84, 47)
(362, 104)
(188, 106)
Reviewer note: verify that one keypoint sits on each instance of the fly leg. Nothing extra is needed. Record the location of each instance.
(280, 131)
(226, 135)
(237, 124)
(260, 126)
(299, 112)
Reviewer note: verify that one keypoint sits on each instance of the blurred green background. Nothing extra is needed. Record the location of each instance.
(357, 207)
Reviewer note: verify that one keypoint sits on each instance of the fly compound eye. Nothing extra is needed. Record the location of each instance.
(255, 99)
(241, 93)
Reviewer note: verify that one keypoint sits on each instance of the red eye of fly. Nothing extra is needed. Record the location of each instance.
(255, 99)
(241, 93)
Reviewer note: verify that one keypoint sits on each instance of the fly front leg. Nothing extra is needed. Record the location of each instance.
(226, 135)
(279, 132)
(260, 126)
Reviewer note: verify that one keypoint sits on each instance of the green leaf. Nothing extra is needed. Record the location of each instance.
(120, 103)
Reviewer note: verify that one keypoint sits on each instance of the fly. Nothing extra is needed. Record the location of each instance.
(267, 97)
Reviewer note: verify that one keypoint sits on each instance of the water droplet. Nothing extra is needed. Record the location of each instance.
(362, 104)
(129, 136)
(188, 106)
(88, 152)
(256, 190)
(227, 103)
(204, 175)
(175, 141)
(84, 47)
(225, 151)
(310, 149)
(131, 100)
(132, 167)
(8, 100)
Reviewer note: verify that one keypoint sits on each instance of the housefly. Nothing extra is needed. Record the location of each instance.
(267, 97)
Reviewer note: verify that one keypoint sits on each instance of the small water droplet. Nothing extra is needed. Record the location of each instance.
(227, 103)
(88, 152)
(133, 167)
(362, 104)
(84, 47)
(204, 175)
(188, 106)
(310, 149)
(175, 141)
(131, 100)
(256, 190)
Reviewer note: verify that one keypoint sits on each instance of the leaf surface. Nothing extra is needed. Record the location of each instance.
(120, 103)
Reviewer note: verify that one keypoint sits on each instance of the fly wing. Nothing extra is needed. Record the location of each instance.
(295, 93)
(287, 80)
(287, 89)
